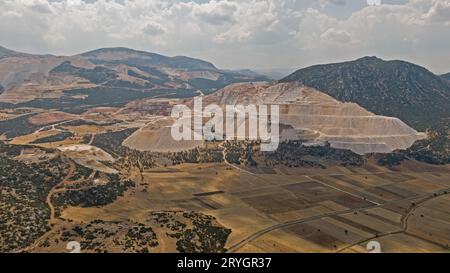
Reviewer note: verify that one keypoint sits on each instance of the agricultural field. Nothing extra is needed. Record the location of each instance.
(217, 197)
(340, 210)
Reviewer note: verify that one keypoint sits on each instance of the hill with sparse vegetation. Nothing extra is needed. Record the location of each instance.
(390, 88)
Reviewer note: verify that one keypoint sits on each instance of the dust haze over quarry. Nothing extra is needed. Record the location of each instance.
(305, 114)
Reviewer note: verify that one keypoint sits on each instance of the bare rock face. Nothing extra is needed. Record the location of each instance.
(312, 115)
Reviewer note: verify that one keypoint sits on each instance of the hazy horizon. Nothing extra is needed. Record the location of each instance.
(284, 71)
(257, 34)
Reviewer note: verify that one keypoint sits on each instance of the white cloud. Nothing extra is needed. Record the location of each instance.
(216, 13)
(233, 33)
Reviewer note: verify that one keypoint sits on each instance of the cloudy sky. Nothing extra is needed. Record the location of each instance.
(260, 34)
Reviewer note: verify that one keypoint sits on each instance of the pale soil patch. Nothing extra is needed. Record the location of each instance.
(86, 151)
(281, 241)
(94, 165)
(68, 141)
(89, 157)
(387, 214)
(159, 140)
(43, 90)
(432, 220)
(22, 140)
(34, 155)
(51, 118)
(400, 243)
(101, 110)
(86, 129)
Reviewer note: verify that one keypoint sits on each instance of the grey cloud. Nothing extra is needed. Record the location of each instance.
(152, 28)
(235, 33)
(221, 13)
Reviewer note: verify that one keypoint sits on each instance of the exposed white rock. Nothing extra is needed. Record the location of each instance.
(343, 125)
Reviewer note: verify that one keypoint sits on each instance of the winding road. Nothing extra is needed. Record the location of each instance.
(55, 189)
(51, 207)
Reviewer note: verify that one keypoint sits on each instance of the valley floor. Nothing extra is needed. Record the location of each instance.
(340, 209)
(67, 179)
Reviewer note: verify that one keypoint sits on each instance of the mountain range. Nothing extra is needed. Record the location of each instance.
(390, 88)
(109, 76)
(26, 77)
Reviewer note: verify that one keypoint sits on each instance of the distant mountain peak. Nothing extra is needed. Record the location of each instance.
(132, 55)
(115, 50)
(112, 69)
(370, 58)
